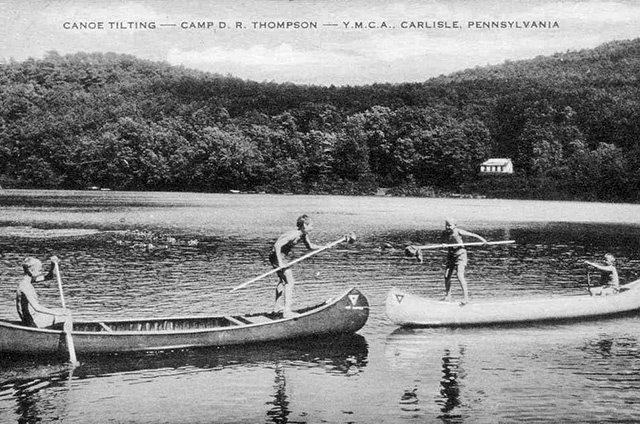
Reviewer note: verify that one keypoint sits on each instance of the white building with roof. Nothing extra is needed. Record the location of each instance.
(497, 166)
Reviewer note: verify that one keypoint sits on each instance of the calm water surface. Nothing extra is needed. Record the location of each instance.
(205, 244)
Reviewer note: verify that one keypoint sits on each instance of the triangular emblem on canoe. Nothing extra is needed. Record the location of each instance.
(354, 298)
(399, 298)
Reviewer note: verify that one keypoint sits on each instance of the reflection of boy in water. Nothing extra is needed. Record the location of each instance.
(609, 276)
(456, 257)
(281, 248)
(449, 385)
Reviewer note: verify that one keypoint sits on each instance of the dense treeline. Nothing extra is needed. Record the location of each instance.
(570, 122)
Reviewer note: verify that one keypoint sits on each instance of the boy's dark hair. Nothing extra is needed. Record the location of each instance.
(303, 219)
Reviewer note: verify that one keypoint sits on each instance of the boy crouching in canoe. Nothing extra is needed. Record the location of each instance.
(609, 276)
(282, 247)
(32, 313)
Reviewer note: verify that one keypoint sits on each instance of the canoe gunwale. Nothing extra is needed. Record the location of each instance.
(522, 323)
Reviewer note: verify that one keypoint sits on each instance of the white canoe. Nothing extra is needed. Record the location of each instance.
(409, 310)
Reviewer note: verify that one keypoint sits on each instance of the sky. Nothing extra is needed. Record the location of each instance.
(335, 42)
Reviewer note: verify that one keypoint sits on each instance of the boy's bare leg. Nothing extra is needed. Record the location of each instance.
(288, 295)
(447, 284)
(463, 284)
(279, 304)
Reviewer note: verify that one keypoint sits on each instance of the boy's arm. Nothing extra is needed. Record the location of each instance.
(600, 267)
(310, 245)
(470, 234)
(50, 275)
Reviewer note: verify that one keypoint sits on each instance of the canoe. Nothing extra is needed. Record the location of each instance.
(346, 313)
(409, 310)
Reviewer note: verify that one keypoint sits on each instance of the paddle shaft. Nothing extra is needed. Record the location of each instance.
(57, 271)
(442, 246)
(69, 325)
(295, 261)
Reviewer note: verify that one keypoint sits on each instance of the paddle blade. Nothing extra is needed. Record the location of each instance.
(410, 251)
(413, 252)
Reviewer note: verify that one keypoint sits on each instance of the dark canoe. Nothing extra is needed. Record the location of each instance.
(409, 310)
(344, 314)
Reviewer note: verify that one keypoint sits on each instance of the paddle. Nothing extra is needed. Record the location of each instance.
(589, 282)
(441, 246)
(68, 325)
(348, 238)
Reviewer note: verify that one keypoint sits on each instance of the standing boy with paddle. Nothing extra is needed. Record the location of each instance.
(281, 248)
(456, 257)
(32, 313)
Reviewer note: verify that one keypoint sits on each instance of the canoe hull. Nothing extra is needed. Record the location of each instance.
(346, 314)
(409, 310)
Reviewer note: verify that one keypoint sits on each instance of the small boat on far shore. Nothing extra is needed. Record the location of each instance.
(346, 313)
(409, 310)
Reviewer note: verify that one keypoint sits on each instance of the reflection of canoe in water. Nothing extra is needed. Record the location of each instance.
(333, 353)
(223, 383)
(345, 314)
(410, 310)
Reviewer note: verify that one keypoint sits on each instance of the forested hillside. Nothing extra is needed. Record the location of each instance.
(570, 123)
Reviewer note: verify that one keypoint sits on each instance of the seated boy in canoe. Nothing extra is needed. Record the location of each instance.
(32, 313)
(609, 277)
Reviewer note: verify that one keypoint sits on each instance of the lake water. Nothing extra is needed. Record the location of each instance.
(205, 244)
